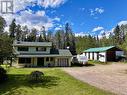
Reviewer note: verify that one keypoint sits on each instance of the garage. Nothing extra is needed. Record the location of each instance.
(63, 62)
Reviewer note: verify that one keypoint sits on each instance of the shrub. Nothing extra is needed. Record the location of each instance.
(36, 76)
(3, 75)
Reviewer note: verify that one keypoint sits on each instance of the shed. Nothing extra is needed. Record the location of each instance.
(104, 54)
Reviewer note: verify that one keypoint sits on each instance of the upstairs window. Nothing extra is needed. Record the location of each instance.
(22, 48)
(41, 49)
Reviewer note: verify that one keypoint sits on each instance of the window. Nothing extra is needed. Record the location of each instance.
(41, 49)
(22, 48)
(51, 59)
(47, 59)
(24, 60)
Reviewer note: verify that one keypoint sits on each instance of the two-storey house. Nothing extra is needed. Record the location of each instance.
(40, 54)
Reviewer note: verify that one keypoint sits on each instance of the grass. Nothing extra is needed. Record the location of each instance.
(97, 62)
(56, 82)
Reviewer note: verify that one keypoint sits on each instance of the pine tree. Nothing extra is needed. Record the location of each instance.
(117, 35)
(43, 33)
(18, 32)
(32, 36)
(2, 24)
(25, 32)
(12, 28)
(58, 39)
(40, 39)
(50, 36)
(67, 33)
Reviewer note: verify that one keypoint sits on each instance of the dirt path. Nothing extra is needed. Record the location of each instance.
(112, 77)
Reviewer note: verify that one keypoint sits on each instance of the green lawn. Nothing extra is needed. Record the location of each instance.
(56, 82)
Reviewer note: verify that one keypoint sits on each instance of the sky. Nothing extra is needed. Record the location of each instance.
(85, 16)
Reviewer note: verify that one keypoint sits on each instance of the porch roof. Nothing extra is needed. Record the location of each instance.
(61, 53)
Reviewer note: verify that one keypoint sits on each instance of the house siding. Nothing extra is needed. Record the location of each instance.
(91, 56)
(95, 56)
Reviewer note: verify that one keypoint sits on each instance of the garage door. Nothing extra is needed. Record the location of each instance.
(63, 62)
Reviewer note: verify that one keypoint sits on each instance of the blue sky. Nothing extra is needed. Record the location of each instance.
(85, 16)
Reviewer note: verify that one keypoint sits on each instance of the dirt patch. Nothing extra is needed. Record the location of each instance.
(111, 77)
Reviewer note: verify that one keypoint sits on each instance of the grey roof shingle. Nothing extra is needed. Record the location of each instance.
(64, 52)
(59, 53)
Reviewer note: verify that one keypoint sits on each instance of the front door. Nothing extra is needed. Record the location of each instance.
(40, 62)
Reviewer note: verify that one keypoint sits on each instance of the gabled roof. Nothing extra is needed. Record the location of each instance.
(65, 52)
(100, 49)
(20, 43)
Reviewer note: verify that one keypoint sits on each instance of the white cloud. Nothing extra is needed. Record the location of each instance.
(81, 34)
(36, 20)
(122, 23)
(40, 13)
(31, 18)
(56, 19)
(22, 4)
(99, 10)
(52, 3)
(107, 33)
(96, 11)
(97, 29)
(59, 27)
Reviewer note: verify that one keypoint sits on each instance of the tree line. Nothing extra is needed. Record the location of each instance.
(118, 37)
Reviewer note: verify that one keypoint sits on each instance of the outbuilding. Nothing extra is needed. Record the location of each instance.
(104, 54)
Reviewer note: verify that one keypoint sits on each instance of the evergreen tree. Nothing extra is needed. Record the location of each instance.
(6, 49)
(50, 36)
(40, 39)
(32, 36)
(18, 32)
(117, 34)
(59, 39)
(12, 28)
(25, 32)
(43, 33)
(67, 32)
(73, 45)
(2, 24)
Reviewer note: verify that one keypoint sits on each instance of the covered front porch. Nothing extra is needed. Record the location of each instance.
(43, 62)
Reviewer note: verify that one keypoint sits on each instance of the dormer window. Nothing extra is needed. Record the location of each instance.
(41, 49)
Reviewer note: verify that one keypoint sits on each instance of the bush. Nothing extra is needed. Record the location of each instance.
(36, 76)
(3, 75)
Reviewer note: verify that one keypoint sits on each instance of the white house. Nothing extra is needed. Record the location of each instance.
(40, 54)
(104, 54)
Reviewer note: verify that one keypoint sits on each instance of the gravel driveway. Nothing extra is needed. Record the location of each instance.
(111, 77)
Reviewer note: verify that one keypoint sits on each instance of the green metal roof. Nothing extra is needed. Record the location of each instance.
(100, 49)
